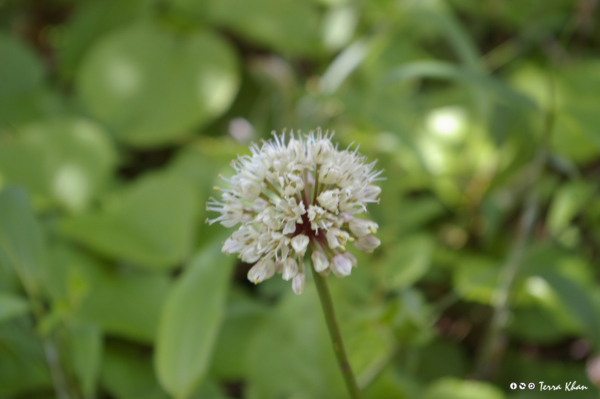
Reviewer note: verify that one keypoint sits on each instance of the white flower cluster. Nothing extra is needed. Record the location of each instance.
(289, 195)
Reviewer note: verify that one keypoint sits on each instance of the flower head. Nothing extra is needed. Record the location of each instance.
(289, 195)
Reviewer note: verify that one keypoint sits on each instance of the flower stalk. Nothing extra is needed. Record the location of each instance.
(335, 334)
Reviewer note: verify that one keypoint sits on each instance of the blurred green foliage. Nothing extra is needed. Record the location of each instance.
(116, 116)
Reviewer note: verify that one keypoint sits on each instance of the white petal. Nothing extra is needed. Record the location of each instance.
(298, 284)
(300, 243)
(362, 228)
(367, 243)
(320, 261)
(290, 227)
(290, 269)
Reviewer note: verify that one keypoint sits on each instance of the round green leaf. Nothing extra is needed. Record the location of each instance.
(153, 86)
(89, 23)
(69, 160)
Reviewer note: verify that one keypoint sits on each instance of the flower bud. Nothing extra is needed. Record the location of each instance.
(367, 243)
(352, 258)
(298, 284)
(329, 199)
(341, 266)
(320, 261)
(262, 271)
(299, 243)
(290, 269)
(361, 227)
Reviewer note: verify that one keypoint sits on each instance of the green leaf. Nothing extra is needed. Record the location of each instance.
(122, 301)
(85, 342)
(21, 242)
(568, 201)
(451, 29)
(23, 367)
(291, 354)
(32, 105)
(20, 68)
(151, 223)
(290, 27)
(441, 359)
(343, 65)
(89, 23)
(190, 320)
(390, 385)
(152, 87)
(126, 304)
(577, 301)
(449, 388)
(444, 70)
(408, 262)
(475, 278)
(12, 306)
(413, 318)
(242, 318)
(538, 325)
(68, 159)
(127, 374)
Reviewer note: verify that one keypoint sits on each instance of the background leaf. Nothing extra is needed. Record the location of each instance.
(12, 306)
(190, 321)
(150, 223)
(21, 243)
(86, 352)
(69, 160)
(152, 87)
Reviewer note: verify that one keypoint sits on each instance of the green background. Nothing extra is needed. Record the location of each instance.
(116, 116)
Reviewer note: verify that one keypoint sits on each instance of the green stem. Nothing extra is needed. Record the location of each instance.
(335, 334)
(493, 343)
